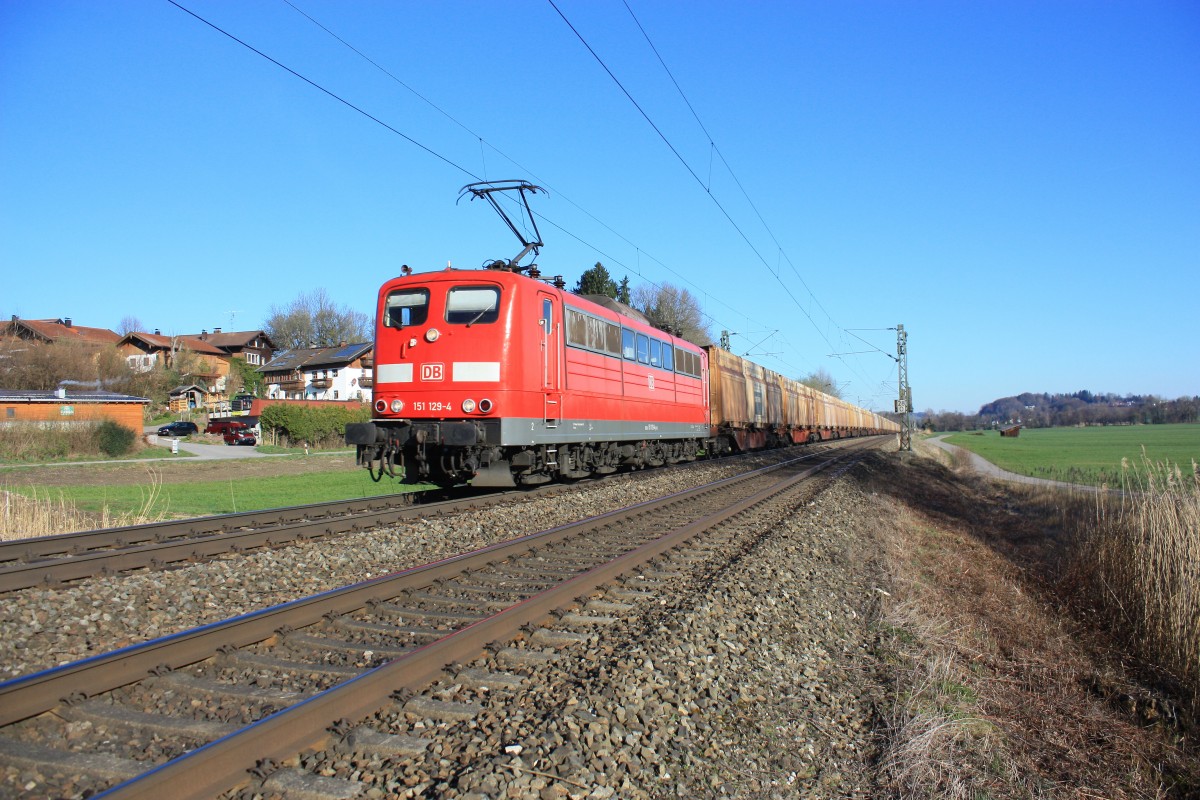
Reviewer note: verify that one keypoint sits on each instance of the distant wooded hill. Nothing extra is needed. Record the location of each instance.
(1081, 408)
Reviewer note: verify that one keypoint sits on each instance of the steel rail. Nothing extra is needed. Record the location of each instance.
(208, 770)
(28, 563)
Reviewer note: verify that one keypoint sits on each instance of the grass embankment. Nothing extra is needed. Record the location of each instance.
(193, 499)
(1090, 456)
(1015, 640)
(127, 494)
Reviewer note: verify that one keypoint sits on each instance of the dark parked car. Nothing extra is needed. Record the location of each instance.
(240, 436)
(178, 429)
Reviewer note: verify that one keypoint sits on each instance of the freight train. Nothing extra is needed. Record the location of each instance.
(497, 378)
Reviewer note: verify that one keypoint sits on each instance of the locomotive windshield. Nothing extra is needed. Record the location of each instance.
(472, 304)
(407, 307)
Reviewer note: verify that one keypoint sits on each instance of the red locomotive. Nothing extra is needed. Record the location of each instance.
(499, 379)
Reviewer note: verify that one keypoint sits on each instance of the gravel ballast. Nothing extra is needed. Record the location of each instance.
(42, 628)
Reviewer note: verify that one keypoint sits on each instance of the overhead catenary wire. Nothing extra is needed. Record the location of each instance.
(713, 148)
(688, 167)
(707, 188)
(482, 142)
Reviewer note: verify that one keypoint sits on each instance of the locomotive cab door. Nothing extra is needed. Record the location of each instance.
(551, 348)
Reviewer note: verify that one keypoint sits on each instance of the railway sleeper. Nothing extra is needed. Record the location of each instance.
(187, 684)
(391, 609)
(244, 660)
(354, 626)
(101, 767)
(551, 637)
(368, 741)
(442, 710)
(302, 785)
(110, 716)
(486, 680)
(304, 642)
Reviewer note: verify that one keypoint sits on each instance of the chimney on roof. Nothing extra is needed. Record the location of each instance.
(67, 321)
(204, 333)
(157, 332)
(216, 330)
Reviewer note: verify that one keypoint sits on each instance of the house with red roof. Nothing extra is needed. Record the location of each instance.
(46, 331)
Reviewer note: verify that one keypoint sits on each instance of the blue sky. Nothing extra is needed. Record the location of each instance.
(1018, 183)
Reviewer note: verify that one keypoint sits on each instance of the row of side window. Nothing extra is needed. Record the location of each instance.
(601, 336)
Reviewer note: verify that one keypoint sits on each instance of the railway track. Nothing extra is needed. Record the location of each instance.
(60, 559)
(54, 560)
(222, 706)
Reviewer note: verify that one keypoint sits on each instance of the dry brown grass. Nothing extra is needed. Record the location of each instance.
(1135, 561)
(46, 513)
(994, 691)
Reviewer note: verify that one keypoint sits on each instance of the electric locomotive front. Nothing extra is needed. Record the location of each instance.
(450, 365)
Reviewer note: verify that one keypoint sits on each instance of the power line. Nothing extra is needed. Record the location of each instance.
(691, 171)
(321, 88)
(482, 141)
(745, 194)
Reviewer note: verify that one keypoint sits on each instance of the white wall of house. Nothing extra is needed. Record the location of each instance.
(142, 362)
(344, 385)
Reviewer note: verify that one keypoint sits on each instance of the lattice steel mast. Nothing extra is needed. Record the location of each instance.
(904, 405)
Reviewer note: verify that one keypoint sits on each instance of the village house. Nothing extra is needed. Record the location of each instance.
(45, 331)
(147, 351)
(320, 373)
(253, 347)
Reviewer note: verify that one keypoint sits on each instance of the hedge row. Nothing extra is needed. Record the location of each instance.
(315, 426)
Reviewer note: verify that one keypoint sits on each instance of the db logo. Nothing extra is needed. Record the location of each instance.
(432, 372)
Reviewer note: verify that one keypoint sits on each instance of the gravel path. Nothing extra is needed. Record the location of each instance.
(981, 465)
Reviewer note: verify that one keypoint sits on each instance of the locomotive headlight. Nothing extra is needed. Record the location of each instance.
(485, 406)
(468, 406)
(432, 335)
(381, 406)
(397, 406)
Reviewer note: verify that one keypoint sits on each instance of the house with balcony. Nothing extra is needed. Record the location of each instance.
(321, 373)
(253, 347)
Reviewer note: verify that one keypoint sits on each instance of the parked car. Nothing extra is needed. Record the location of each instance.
(179, 428)
(240, 436)
(225, 425)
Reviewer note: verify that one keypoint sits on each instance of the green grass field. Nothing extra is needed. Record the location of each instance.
(1085, 455)
(202, 498)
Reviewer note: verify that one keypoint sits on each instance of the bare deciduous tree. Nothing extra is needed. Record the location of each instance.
(822, 381)
(313, 320)
(42, 366)
(674, 309)
(130, 324)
